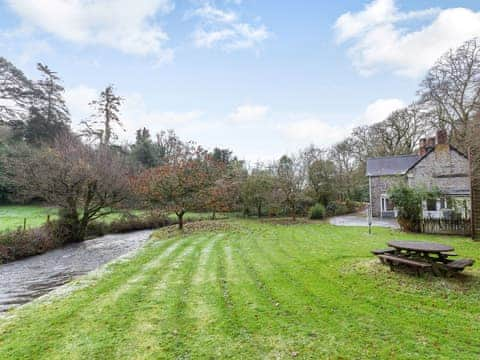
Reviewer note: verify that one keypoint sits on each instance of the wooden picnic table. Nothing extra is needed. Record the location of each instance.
(431, 252)
(421, 247)
(422, 256)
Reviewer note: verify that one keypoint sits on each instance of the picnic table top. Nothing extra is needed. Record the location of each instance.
(420, 246)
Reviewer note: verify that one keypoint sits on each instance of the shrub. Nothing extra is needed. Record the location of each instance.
(352, 206)
(331, 208)
(342, 209)
(19, 244)
(408, 202)
(336, 208)
(317, 212)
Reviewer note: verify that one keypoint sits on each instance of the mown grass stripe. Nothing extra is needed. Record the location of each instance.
(152, 329)
(74, 323)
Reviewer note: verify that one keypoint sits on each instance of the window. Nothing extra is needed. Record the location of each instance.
(444, 203)
(387, 204)
(431, 204)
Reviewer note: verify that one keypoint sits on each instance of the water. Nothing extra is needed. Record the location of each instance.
(24, 280)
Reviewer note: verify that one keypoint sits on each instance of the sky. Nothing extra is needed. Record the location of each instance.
(261, 77)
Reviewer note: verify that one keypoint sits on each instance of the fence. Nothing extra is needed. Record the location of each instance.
(447, 227)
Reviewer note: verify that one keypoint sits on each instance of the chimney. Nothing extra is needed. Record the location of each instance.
(423, 147)
(442, 137)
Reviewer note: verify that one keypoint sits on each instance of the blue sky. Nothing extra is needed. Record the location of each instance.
(261, 77)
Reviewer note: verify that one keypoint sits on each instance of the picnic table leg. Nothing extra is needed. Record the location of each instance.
(436, 270)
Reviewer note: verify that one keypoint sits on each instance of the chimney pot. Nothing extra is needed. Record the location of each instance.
(442, 137)
(422, 147)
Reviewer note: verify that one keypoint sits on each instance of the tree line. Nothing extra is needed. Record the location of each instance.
(88, 173)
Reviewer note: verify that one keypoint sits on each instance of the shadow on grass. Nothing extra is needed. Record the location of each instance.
(405, 279)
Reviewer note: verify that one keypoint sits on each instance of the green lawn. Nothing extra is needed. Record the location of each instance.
(257, 290)
(12, 216)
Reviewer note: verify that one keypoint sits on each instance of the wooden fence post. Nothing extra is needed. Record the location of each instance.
(24, 224)
(474, 194)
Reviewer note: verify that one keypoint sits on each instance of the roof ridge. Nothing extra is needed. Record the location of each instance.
(391, 156)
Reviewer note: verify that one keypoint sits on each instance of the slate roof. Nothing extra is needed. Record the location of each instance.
(391, 165)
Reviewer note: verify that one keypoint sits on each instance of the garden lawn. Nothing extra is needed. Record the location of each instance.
(257, 290)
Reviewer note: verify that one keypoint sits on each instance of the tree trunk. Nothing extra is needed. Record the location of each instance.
(71, 228)
(259, 211)
(213, 215)
(180, 219)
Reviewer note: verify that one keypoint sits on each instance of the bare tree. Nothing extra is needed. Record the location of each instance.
(291, 182)
(349, 171)
(400, 133)
(171, 149)
(106, 116)
(256, 190)
(452, 89)
(85, 183)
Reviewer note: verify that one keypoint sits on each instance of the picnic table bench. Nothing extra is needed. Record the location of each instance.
(422, 256)
(393, 261)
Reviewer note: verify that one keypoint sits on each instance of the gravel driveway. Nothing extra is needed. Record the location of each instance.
(360, 219)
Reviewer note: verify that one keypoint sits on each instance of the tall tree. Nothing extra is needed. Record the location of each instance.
(48, 116)
(452, 89)
(106, 116)
(349, 171)
(16, 93)
(321, 178)
(291, 182)
(400, 132)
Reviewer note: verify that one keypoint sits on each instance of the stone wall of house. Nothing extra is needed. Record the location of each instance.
(444, 169)
(381, 185)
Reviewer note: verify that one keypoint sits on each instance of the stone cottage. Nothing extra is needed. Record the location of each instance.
(437, 166)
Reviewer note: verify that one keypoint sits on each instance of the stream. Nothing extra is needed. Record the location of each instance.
(23, 280)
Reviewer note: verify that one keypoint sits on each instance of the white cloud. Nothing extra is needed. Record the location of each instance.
(224, 29)
(212, 14)
(248, 114)
(307, 128)
(379, 110)
(77, 99)
(124, 25)
(380, 38)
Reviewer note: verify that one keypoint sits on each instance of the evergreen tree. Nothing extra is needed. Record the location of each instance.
(48, 116)
(106, 115)
(16, 93)
(144, 150)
